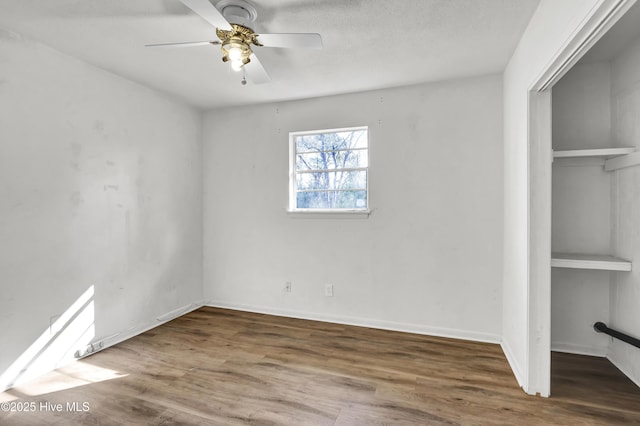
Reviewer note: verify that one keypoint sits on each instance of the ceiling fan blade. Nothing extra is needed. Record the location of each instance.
(256, 72)
(209, 12)
(183, 44)
(295, 40)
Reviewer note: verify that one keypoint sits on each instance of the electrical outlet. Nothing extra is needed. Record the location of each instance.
(287, 287)
(328, 290)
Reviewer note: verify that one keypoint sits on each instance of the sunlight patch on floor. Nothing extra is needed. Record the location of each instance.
(77, 374)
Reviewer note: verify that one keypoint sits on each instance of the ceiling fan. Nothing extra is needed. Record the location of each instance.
(233, 21)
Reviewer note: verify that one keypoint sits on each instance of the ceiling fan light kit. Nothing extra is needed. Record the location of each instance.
(236, 45)
(233, 21)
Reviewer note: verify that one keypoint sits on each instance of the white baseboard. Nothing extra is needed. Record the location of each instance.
(515, 366)
(625, 371)
(363, 322)
(571, 348)
(114, 339)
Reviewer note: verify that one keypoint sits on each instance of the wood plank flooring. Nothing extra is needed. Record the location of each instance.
(223, 367)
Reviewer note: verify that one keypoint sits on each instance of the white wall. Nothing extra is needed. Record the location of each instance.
(581, 214)
(429, 257)
(100, 195)
(553, 23)
(625, 295)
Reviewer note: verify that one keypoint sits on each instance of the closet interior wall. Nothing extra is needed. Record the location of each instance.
(625, 288)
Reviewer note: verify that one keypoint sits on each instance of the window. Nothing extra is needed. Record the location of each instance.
(329, 170)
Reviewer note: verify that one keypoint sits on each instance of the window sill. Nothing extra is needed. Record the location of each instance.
(329, 214)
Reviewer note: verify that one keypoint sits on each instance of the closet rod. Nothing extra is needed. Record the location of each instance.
(601, 327)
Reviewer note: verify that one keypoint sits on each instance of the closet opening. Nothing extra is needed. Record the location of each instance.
(595, 220)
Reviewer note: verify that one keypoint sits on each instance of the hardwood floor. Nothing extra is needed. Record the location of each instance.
(216, 366)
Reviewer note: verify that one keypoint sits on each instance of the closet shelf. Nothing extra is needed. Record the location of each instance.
(596, 152)
(589, 261)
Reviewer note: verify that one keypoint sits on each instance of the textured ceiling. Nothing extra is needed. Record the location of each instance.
(368, 44)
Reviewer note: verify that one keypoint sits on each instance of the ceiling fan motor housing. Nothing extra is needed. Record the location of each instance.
(238, 12)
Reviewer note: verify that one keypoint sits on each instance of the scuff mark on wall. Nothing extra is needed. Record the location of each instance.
(76, 199)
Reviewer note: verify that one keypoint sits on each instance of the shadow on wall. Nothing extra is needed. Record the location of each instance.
(66, 339)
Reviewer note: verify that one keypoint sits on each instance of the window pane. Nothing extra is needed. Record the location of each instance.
(332, 180)
(331, 141)
(331, 160)
(330, 169)
(332, 200)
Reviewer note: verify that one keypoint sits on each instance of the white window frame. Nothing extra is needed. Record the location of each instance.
(337, 212)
